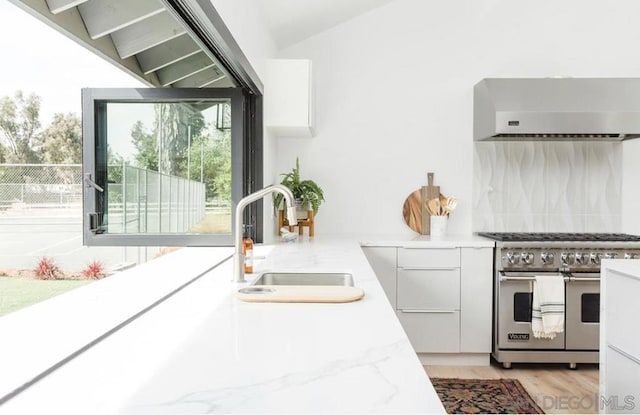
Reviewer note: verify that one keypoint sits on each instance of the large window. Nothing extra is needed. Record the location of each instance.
(163, 166)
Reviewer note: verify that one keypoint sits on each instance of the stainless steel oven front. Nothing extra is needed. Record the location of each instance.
(574, 257)
(582, 318)
(515, 299)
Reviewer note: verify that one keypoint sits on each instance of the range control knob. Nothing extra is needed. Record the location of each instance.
(610, 255)
(567, 258)
(527, 258)
(513, 258)
(595, 258)
(630, 255)
(582, 258)
(546, 258)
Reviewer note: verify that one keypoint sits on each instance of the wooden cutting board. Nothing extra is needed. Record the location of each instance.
(302, 294)
(415, 211)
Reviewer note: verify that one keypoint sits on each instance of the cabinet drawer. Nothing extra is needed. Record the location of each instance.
(432, 332)
(428, 289)
(429, 258)
(622, 305)
(622, 380)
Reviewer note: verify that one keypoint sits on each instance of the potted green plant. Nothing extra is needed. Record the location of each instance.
(308, 195)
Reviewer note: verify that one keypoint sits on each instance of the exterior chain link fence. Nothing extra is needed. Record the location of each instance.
(37, 186)
(140, 200)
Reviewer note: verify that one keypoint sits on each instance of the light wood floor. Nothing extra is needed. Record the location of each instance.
(555, 388)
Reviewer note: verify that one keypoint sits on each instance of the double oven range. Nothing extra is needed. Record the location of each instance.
(576, 258)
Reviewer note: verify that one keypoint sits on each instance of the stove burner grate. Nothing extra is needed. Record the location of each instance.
(559, 237)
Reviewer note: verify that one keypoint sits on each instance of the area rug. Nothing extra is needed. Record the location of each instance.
(484, 396)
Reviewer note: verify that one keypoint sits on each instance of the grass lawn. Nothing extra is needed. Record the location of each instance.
(19, 292)
(213, 222)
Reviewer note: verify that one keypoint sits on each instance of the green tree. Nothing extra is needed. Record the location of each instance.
(62, 140)
(146, 146)
(19, 124)
(211, 163)
(181, 144)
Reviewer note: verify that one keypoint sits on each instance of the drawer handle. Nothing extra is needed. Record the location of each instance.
(431, 249)
(429, 311)
(430, 269)
(623, 353)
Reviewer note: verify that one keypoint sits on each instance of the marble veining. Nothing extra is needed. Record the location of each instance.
(547, 186)
(204, 351)
(250, 396)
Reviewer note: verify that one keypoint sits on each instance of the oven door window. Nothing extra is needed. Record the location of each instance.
(590, 308)
(522, 303)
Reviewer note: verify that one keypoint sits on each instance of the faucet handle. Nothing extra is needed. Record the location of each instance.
(291, 215)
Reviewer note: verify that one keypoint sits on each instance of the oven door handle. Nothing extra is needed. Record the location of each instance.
(524, 276)
(568, 277)
(594, 276)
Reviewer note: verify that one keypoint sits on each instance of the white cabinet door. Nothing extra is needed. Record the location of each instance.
(429, 289)
(432, 331)
(383, 262)
(288, 98)
(476, 285)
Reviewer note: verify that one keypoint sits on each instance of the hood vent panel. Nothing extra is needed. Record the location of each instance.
(556, 109)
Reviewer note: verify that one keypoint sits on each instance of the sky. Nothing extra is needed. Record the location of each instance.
(37, 59)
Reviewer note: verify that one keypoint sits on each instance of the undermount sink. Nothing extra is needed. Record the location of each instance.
(305, 278)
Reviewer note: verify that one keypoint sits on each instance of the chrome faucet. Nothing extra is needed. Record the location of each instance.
(238, 259)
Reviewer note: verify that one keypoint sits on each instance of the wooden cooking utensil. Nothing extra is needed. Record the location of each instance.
(434, 207)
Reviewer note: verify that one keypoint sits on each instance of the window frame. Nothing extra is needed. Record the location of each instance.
(242, 143)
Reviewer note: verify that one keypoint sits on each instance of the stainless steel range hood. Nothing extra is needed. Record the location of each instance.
(556, 109)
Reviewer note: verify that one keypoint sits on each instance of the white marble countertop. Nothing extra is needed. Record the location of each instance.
(427, 241)
(202, 350)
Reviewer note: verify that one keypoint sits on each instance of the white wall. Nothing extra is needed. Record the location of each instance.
(247, 25)
(394, 93)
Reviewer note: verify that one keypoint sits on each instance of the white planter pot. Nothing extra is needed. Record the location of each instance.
(302, 211)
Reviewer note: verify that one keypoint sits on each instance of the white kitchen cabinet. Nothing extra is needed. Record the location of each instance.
(476, 294)
(619, 343)
(443, 299)
(288, 98)
(383, 262)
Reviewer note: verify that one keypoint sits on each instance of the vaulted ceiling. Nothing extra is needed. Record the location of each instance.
(292, 21)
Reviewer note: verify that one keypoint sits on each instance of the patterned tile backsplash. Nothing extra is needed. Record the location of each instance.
(547, 187)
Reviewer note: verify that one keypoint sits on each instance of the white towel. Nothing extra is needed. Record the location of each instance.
(547, 316)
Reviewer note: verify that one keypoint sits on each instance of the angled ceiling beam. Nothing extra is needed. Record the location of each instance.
(184, 68)
(105, 17)
(58, 6)
(146, 34)
(200, 79)
(211, 31)
(223, 82)
(167, 53)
